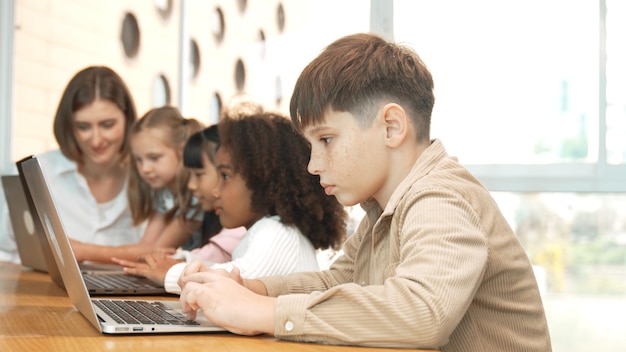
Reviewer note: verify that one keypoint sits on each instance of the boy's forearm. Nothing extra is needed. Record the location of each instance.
(255, 286)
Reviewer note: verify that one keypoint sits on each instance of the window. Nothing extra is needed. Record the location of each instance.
(530, 91)
(530, 97)
(577, 243)
(616, 82)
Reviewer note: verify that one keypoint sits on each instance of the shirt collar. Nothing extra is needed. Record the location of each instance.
(62, 165)
(422, 167)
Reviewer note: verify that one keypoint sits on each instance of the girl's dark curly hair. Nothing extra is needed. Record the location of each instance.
(272, 158)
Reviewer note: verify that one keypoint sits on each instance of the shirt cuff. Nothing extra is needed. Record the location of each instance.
(171, 278)
(274, 285)
(290, 315)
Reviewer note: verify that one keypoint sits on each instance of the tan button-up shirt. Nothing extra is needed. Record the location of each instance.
(439, 268)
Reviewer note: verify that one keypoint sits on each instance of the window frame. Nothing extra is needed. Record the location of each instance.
(598, 177)
(7, 29)
(583, 177)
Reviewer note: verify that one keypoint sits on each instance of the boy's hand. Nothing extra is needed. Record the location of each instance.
(225, 301)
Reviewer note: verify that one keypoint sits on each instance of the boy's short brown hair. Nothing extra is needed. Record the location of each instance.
(356, 74)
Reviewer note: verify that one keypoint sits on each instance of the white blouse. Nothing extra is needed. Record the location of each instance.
(83, 218)
(269, 247)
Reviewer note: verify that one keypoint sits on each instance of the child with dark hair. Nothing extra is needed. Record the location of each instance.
(433, 264)
(199, 158)
(266, 155)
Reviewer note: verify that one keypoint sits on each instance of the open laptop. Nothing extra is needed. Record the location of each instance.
(32, 245)
(100, 279)
(110, 316)
(26, 234)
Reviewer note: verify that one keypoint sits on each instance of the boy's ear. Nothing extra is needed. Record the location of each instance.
(396, 123)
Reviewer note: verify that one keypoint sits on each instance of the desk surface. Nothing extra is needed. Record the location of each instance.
(37, 315)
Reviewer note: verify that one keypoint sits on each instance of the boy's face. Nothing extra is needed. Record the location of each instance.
(352, 162)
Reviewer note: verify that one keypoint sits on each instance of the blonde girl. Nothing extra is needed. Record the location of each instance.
(157, 189)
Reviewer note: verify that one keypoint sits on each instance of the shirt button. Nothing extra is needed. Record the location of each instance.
(288, 325)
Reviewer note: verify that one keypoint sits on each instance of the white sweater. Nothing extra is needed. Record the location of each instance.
(269, 247)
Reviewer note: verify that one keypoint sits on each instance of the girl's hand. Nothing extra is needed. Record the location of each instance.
(195, 266)
(163, 252)
(193, 273)
(152, 266)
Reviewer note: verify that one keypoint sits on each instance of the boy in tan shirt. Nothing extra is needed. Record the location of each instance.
(433, 264)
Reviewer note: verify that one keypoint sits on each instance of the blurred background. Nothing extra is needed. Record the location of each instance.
(531, 96)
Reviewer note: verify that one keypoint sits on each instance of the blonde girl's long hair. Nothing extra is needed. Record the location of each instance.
(141, 196)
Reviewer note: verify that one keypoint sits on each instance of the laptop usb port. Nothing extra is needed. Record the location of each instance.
(137, 328)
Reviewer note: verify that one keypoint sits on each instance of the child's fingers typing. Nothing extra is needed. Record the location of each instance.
(191, 268)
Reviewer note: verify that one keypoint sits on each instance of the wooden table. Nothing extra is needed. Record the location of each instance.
(37, 315)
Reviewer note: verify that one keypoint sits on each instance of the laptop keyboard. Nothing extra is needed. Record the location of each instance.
(107, 281)
(141, 312)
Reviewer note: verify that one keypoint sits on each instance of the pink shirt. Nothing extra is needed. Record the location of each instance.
(221, 246)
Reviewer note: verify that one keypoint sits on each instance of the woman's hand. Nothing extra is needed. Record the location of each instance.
(79, 250)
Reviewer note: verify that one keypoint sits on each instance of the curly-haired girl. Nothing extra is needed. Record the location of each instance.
(266, 188)
(266, 155)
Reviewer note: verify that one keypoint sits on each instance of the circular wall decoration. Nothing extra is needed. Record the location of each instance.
(240, 75)
(164, 8)
(161, 93)
(217, 25)
(130, 35)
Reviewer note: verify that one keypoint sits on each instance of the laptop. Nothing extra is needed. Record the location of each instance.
(100, 278)
(32, 245)
(26, 234)
(109, 316)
